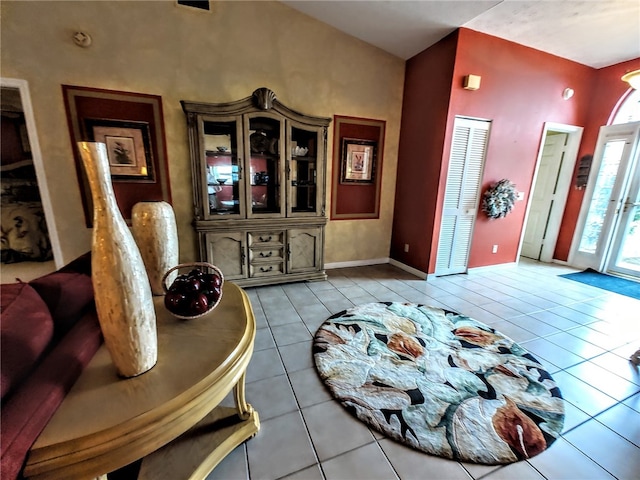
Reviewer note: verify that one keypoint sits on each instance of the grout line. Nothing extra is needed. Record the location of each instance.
(376, 280)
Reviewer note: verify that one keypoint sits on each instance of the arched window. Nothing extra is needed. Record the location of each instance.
(628, 109)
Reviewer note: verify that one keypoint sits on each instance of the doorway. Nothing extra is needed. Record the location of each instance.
(550, 188)
(607, 237)
(30, 243)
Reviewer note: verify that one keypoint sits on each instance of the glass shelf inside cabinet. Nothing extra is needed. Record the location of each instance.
(264, 143)
(222, 168)
(303, 170)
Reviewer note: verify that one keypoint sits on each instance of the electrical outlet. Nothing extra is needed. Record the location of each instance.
(494, 249)
(406, 247)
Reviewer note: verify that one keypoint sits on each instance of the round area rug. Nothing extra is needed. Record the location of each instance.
(439, 382)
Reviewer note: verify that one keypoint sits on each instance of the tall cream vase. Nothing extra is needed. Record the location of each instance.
(153, 225)
(121, 286)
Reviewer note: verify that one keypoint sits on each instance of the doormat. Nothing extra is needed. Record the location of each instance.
(606, 282)
(440, 382)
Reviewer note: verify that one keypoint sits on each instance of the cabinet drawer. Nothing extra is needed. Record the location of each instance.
(261, 238)
(269, 255)
(266, 269)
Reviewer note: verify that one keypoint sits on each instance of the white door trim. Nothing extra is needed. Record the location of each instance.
(25, 97)
(565, 176)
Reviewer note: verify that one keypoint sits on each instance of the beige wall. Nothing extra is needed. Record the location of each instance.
(180, 54)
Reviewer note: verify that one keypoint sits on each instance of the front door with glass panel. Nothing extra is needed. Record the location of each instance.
(608, 225)
(625, 256)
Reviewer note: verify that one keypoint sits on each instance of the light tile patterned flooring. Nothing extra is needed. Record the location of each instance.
(583, 335)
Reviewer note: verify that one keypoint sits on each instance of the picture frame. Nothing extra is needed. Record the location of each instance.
(128, 148)
(94, 114)
(358, 161)
(357, 196)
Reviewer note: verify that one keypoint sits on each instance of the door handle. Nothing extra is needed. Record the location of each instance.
(628, 204)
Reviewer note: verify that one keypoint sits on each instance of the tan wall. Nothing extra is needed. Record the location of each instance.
(180, 54)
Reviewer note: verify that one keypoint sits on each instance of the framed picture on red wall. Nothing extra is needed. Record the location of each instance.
(358, 150)
(358, 161)
(131, 125)
(128, 148)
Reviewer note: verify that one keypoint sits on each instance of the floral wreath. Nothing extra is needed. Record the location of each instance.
(499, 198)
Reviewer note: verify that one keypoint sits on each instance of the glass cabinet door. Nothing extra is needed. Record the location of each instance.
(264, 178)
(304, 183)
(222, 167)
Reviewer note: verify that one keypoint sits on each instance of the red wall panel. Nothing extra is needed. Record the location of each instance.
(426, 102)
(521, 89)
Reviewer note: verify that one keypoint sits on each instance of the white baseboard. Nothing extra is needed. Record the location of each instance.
(356, 263)
(411, 270)
(408, 269)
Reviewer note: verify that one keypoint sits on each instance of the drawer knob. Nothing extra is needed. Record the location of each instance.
(263, 270)
(266, 255)
(265, 239)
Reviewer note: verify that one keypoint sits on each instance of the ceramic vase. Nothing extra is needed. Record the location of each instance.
(124, 303)
(153, 225)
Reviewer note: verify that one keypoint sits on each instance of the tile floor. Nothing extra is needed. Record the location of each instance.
(583, 335)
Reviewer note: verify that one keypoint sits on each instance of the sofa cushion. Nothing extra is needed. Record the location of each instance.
(25, 412)
(26, 331)
(82, 264)
(67, 294)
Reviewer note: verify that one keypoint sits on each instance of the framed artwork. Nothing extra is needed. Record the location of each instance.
(128, 148)
(358, 150)
(131, 125)
(358, 160)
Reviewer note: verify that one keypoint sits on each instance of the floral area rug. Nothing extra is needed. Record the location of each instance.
(439, 382)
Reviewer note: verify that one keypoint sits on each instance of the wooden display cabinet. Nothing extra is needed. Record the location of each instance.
(258, 171)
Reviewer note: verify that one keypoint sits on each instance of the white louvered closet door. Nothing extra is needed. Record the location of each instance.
(462, 194)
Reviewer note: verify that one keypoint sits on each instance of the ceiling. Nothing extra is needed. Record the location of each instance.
(597, 33)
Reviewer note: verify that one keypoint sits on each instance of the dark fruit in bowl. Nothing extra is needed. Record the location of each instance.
(194, 293)
(195, 273)
(199, 304)
(212, 280)
(175, 302)
(194, 284)
(180, 284)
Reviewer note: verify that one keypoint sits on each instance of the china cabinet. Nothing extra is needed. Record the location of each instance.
(258, 172)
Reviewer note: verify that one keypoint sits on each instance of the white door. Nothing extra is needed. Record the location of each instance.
(552, 181)
(625, 250)
(543, 195)
(608, 212)
(462, 194)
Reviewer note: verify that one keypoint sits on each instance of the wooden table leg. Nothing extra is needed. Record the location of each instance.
(244, 409)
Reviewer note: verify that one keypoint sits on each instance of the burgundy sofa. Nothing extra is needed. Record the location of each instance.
(49, 333)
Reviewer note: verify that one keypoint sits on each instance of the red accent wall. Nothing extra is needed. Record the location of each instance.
(521, 89)
(427, 89)
(607, 91)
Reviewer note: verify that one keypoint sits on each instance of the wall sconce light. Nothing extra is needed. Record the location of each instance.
(82, 39)
(632, 78)
(567, 93)
(471, 82)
